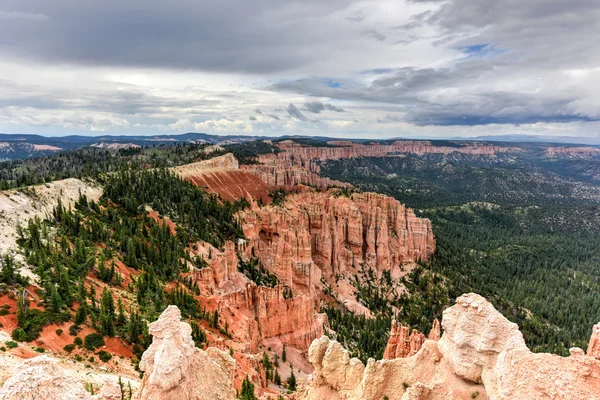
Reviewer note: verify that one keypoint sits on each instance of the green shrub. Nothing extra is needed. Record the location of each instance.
(91, 359)
(3, 312)
(69, 348)
(78, 358)
(39, 349)
(19, 335)
(59, 332)
(93, 341)
(2, 348)
(74, 330)
(104, 356)
(12, 345)
(78, 342)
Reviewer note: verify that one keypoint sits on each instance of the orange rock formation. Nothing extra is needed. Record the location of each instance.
(319, 235)
(222, 175)
(402, 343)
(257, 313)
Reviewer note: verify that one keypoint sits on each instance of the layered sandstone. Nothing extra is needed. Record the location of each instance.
(257, 313)
(285, 175)
(403, 343)
(572, 152)
(320, 234)
(480, 354)
(221, 275)
(298, 164)
(306, 157)
(176, 369)
(222, 175)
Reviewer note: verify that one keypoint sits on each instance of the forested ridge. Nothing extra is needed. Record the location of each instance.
(93, 237)
(522, 235)
(91, 161)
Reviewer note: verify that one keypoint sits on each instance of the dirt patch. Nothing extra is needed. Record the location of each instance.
(162, 220)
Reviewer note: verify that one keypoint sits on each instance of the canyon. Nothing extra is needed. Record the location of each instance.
(480, 355)
(316, 243)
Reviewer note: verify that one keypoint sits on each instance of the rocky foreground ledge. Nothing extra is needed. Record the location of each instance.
(480, 355)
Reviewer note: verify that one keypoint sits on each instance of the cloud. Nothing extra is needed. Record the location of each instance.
(373, 34)
(428, 67)
(294, 112)
(16, 15)
(316, 107)
(237, 36)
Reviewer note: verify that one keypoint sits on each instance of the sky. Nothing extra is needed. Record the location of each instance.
(340, 68)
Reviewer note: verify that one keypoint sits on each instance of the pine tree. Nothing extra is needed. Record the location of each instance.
(247, 392)
(291, 382)
(107, 314)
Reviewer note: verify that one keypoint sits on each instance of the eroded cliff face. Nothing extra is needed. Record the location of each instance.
(175, 369)
(222, 175)
(480, 354)
(258, 313)
(579, 152)
(404, 343)
(320, 235)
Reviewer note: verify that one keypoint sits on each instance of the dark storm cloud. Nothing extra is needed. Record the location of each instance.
(241, 36)
(316, 107)
(294, 112)
(515, 43)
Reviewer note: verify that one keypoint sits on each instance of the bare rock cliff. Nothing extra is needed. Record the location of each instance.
(480, 355)
(317, 234)
(176, 369)
(257, 313)
(403, 343)
(593, 349)
(43, 378)
(222, 175)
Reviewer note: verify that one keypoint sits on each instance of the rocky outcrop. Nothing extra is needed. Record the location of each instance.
(258, 313)
(480, 355)
(423, 376)
(221, 274)
(318, 234)
(593, 349)
(176, 369)
(402, 343)
(43, 378)
(434, 333)
(306, 157)
(298, 164)
(284, 174)
(222, 175)
(572, 152)
(17, 207)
